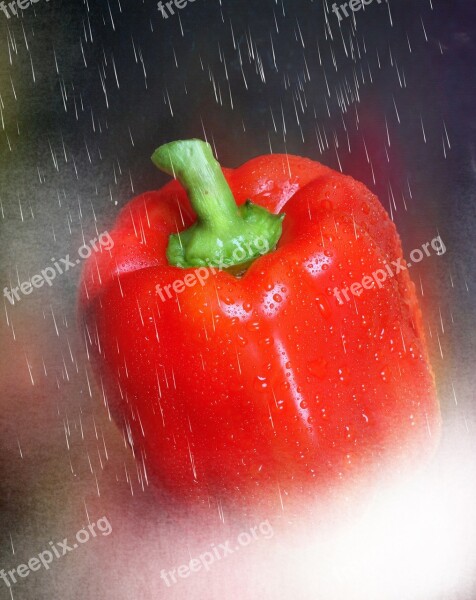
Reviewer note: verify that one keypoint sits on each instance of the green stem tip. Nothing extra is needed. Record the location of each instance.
(224, 234)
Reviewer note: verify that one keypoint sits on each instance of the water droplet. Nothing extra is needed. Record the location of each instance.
(324, 307)
(343, 374)
(261, 383)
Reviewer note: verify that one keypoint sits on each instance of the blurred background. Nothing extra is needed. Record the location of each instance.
(88, 89)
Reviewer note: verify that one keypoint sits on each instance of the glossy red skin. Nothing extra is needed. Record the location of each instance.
(264, 383)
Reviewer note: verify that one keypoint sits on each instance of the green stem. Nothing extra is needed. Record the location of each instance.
(224, 234)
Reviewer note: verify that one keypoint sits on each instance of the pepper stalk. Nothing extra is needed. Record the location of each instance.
(221, 226)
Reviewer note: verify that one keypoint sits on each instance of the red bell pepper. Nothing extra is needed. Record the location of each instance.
(255, 377)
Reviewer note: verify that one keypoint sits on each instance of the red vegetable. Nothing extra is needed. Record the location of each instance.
(255, 377)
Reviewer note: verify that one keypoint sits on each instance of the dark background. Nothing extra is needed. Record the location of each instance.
(253, 77)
